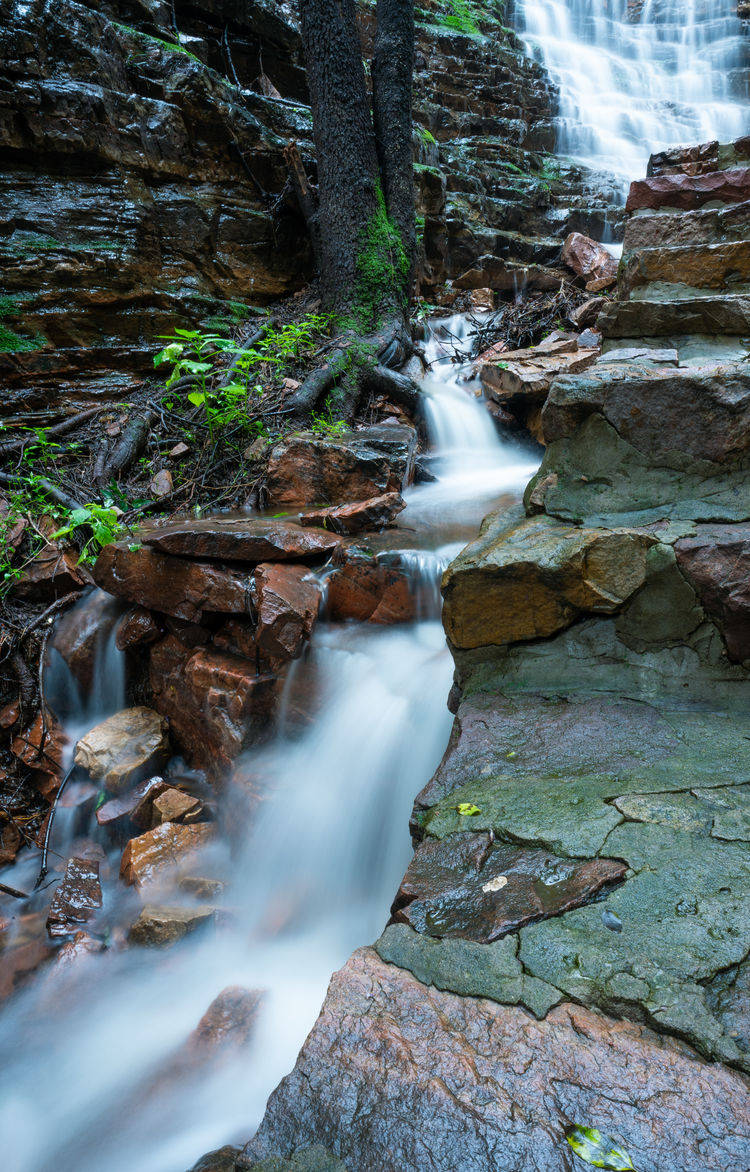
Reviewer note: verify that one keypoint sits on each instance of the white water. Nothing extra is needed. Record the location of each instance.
(677, 76)
(312, 875)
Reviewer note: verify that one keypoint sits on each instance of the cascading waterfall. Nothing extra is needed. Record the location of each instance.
(85, 1080)
(638, 76)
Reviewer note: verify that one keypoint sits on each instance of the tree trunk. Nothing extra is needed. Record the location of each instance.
(392, 74)
(344, 140)
(366, 198)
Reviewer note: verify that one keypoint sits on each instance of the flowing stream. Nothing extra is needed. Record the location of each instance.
(89, 1079)
(674, 74)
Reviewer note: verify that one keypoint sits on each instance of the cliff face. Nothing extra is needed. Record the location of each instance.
(143, 178)
(137, 182)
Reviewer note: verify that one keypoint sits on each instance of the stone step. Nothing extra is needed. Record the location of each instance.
(706, 157)
(709, 226)
(708, 266)
(685, 192)
(647, 317)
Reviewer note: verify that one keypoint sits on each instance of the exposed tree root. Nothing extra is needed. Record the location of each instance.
(53, 491)
(70, 424)
(130, 447)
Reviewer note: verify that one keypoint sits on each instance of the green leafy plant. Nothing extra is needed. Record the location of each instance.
(460, 15)
(102, 523)
(324, 424)
(468, 809)
(598, 1150)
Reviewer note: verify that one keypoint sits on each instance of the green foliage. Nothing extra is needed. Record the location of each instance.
(382, 267)
(468, 809)
(598, 1150)
(172, 46)
(324, 424)
(13, 343)
(100, 523)
(426, 135)
(461, 15)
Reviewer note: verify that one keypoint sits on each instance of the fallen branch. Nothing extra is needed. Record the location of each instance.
(44, 869)
(62, 428)
(13, 891)
(132, 444)
(56, 494)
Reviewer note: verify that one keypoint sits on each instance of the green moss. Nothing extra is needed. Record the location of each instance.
(172, 46)
(382, 267)
(31, 243)
(426, 135)
(13, 343)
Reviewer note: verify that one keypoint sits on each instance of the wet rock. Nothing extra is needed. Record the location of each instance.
(249, 540)
(161, 485)
(716, 561)
(228, 1023)
(586, 314)
(527, 578)
(174, 805)
(153, 855)
(589, 260)
(312, 1159)
(52, 574)
(133, 806)
(689, 191)
(216, 702)
(287, 599)
(41, 747)
(81, 632)
(222, 1160)
(201, 887)
(349, 519)
(520, 381)
(310, 470)
(464, 886)
(482, 1067)
(124, 747)
(24, 947)
(504, 276)
(170, 585)
(138, 628)
(366, 590)
(76, 950)
(76, 898)
(161, 927)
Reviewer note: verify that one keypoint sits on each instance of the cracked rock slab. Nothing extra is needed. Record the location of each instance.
(398, 1077)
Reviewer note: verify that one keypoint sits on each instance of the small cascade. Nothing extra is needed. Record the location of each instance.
(639, 76)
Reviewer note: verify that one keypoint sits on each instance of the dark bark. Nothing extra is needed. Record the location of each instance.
(344, 140)
(392, 73)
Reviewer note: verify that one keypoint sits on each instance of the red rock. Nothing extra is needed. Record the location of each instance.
(586, 314)
(170, 585)
(367, 591)
(716, 562)
(9, 714)
(137, 628)
(590, 260)
(312, 470)
(400, 1077)
(23, 948)
(465, 887)
(216, 703)
(154, 854)
(53, 573)
(287, 603)
(73, 951)
(250, 540)
(40, 747)
(349, 519)
(76, 898)
(689, 191)
(161, 484)
(11, 841)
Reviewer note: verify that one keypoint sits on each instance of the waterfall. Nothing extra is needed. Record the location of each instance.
(638, 76)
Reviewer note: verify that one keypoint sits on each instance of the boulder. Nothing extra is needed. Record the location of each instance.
(589, 260)
(526, 578)
(716, 562)
(493, 273)
(309, 469)
(376, 513)
(160, 927)
(495, 1088)
(153, 855)
(249, 540)
(170, 585)
(41, 747)
(52, 574)
(467, 887)
(287, 599)
(520, 381)
(124, 747)
(76, 898)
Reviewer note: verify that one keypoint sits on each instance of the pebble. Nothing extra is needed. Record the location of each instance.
(611, 921)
